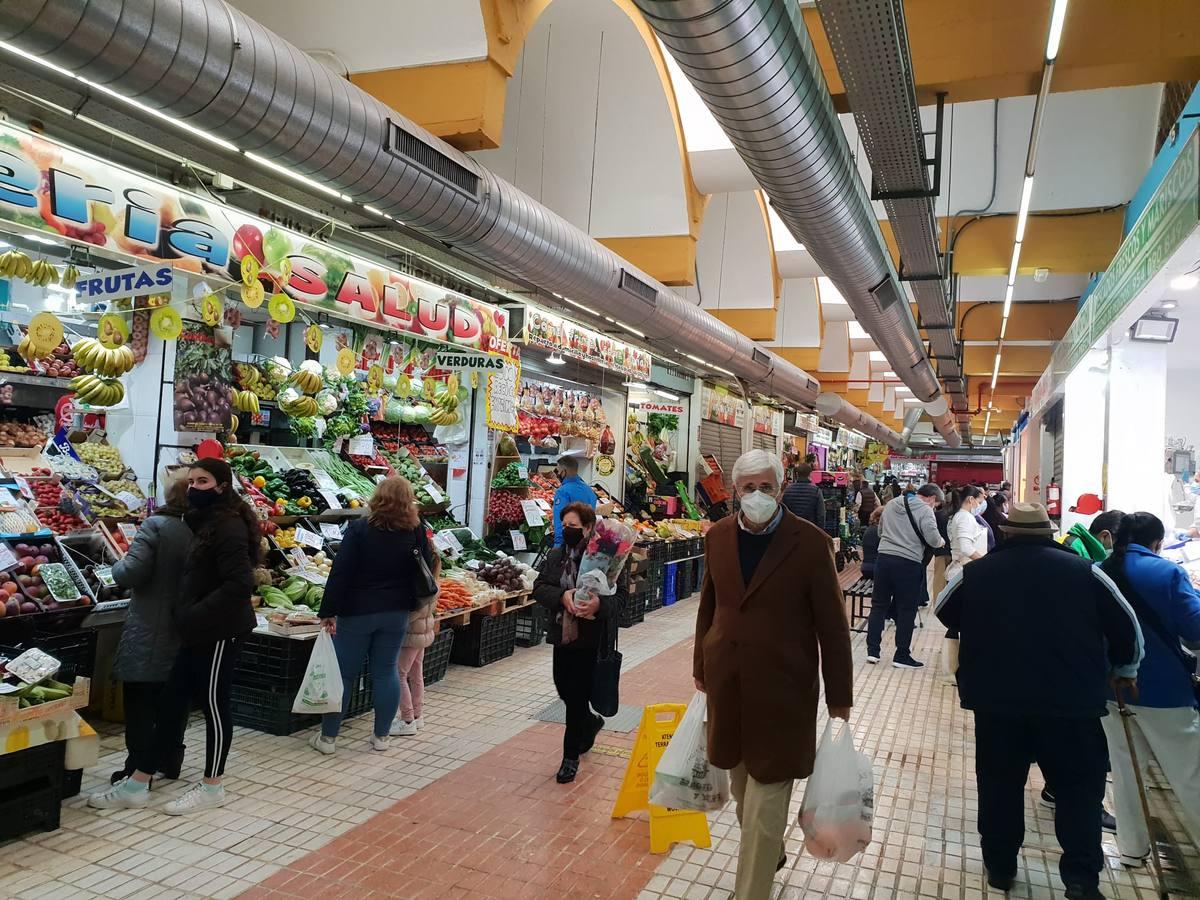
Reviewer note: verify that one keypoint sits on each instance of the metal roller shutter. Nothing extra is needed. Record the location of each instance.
(767, 442)
(725, 443)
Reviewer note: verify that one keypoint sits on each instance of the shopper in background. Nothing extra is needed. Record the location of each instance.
(983, 523)
(578, 631)
(966, 541)
(376, 583)
(995, 513)
(212, 616)
(935, 575)
(1033, 666)
(803, 498)
(573, 489)
(150, 643)
(1165, 721)
(1095, 540)
(412, 670)
(908, 530)
(867, 503)
(870, 544)
(770, 611)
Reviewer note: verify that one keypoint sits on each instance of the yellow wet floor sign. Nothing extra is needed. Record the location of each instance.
(667, 826)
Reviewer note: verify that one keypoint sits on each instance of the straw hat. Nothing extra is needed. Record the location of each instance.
(1028, 518)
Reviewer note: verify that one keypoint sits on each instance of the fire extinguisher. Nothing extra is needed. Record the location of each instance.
(1053, 499)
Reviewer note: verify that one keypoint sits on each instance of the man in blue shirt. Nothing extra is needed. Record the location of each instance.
(572, 490)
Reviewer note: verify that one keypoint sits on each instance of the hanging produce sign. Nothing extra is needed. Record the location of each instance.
(720, 406)
(502, 396)
(203, 378)
(543, 329)
(53, 188)
(468, 362)
(821, 437)
(126, 282)
(764, 420)
(673, 408)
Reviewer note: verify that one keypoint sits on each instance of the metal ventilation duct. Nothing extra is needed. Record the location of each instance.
(835, 407)
(911, 418)
(870, 45)
(754, 65)
(211, 66)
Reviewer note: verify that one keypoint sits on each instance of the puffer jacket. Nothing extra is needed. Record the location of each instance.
(420, 627)
(218, 579)
(152, 570)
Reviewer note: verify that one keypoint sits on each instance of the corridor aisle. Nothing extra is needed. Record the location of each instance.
(469, 808)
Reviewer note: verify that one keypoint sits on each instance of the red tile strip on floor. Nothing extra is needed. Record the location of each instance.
(499, 826)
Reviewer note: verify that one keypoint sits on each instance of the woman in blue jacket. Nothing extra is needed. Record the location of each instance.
(1166, 722)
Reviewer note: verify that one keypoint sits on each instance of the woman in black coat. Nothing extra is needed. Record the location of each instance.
(578, 632)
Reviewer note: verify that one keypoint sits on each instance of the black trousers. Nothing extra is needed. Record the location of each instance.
(203, 674)
(153, 729)
(898, 589)
(1073, 756)
(574, 669)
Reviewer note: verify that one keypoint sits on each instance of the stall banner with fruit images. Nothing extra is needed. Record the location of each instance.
(203, 378)
(543, 329)
(53, 188)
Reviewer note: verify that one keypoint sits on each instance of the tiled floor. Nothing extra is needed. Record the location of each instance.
(469, 808)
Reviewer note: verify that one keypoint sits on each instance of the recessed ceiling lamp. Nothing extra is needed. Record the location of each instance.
(636, 385)
(1185, 282)
(666, 395)
(1168, 304)
(556, 359)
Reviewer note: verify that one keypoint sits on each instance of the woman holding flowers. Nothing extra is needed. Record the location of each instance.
(576, 587)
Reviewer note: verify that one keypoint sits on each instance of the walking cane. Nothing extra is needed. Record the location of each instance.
(1126, 714)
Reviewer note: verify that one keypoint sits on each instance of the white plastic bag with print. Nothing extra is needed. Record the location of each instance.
(684, 778)
(321, 689)
(839, 799)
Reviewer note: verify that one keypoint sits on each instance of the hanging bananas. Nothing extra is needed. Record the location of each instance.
(98, 391)
(308, 378)
(90, 354)
(15, 264)
(445, 403)
(70, 275)
(245, 401)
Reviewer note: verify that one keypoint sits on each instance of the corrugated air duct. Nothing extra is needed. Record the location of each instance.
(836, 407)
(754, 65)
(206, 63)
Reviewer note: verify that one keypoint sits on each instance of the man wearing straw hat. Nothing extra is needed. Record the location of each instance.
(1042, 631)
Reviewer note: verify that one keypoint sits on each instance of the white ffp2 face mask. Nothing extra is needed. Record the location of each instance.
(758, 507)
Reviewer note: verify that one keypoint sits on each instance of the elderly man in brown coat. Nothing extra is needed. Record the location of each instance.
(770, 610)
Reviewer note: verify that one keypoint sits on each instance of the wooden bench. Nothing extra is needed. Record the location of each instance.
(858, 597)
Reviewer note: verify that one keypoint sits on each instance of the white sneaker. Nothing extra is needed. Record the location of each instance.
(379, 743)
(322, 744)
(400, 728)
(419, 722)
(195, 799)
(872, 659)
(122, 795)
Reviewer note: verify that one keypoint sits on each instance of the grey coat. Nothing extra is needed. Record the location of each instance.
(152, 568)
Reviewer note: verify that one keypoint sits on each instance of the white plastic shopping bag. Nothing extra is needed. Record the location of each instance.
(684, 778)
(321, 690)
(838, 800)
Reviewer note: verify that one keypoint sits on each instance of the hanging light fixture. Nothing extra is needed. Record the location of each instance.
(556, 359)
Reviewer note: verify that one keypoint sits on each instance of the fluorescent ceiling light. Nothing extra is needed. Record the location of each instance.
(696, 359)
(723, 371)
(630, 329)
(987, 421)
(295, 176)
(1023, 213)
(379, 212)
(556, 360)
(1003, 327)
(903, 390)
(666, 395)
(1185, 282)
(1016, 258)
(1008, 295)
(39, 239)
(1057, 16)
(996, 370)
(586, 309)
(1168, 304)
(636, 385)
(909, 400)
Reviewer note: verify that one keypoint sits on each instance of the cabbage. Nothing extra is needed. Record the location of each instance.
(327, 403)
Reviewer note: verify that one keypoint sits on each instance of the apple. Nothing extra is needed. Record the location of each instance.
(27, 561)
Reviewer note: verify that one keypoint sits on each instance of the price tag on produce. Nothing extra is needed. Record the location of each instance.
(331, 531)
(132, 502)
(518, 540)
(7, 500)
(8, 559)
(104, 575)
(434, 492)
(533, 513)
(324, 482)
(545, 507)
(337, 445)
(362, 445)
(24, 486)
(448, 542)
(299, 560)
(130, 531)
(523, 472)
(307, 538)
(474, 565)
(331, 499)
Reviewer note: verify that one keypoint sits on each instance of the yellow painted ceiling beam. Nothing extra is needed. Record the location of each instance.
(983, 50)
(671, 258)
(756, 323)
(806, 358)
(1015, 360)
(1026, 322)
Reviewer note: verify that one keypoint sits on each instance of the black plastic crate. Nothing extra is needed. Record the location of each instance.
(437, 656)
(270, 709)
(31, 783)
(654, 598)
(657, 551)
(531, 625)
(266, 661)
(76, 650)
(686, 585)
(633, 610)
(485, 640)
(72, 783)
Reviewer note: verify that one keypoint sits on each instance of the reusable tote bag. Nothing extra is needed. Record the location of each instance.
(321, 690)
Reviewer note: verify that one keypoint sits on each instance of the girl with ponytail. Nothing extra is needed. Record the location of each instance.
(1168, 610)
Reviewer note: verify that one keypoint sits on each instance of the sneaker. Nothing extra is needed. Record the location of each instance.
(125, 794)
(907, 662)
(1047, 798)
(380, 743)
(873, 658)
(1075, 892)
(419, 722)
(1108, 821)
(400, 728)
(567, 771)
(322, 744)
(197, 798)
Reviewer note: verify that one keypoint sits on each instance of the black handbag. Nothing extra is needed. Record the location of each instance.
(425, 586)
(606, 678)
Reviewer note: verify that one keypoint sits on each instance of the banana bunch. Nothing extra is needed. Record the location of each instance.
(70, 275)
(253, 380)
(98, 391)
(91, 354)
(307, 378)
(27, 350)
(15, 264)
(233, 423)
(245, 401)
(301, 407)
(445, 404)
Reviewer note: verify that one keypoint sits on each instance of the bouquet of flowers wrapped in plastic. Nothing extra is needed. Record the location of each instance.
(603, 559)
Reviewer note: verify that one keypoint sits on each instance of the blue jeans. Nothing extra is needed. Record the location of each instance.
(376, 637)
(902, 582)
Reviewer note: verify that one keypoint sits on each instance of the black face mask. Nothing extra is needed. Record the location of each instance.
(201, 499)
(572, 536)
